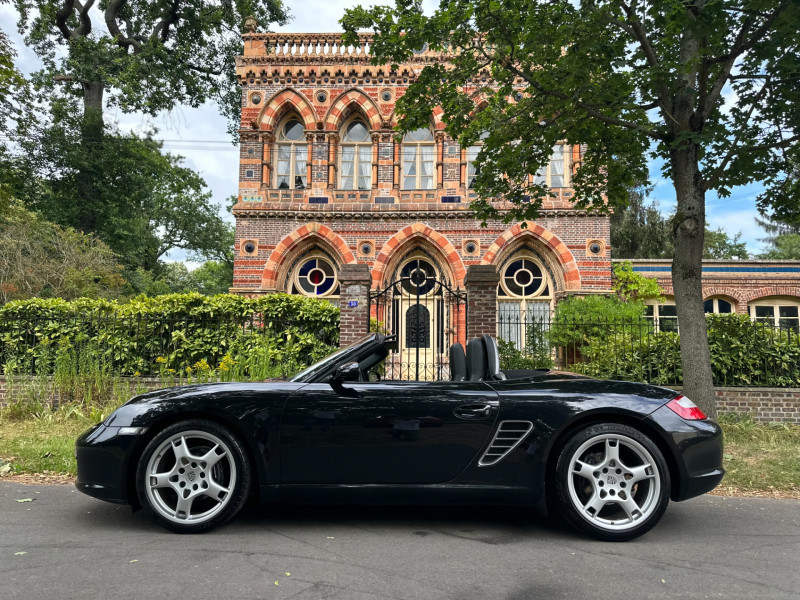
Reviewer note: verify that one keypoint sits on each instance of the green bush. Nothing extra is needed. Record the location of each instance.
(743, 353)
(579, 319)
(164, 334)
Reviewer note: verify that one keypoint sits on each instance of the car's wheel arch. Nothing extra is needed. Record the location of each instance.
(584, 420)
(167, 421)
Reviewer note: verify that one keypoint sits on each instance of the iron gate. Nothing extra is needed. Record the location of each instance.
(426, 316)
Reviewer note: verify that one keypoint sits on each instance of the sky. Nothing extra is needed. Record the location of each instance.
(200, 134)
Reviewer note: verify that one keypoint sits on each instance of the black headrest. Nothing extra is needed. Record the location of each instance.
(492, 357)
(458, 363)
(476, 360)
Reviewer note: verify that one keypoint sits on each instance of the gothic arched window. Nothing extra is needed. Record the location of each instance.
(292, 156)
(418, 160)
(524, 302)
(355, 166)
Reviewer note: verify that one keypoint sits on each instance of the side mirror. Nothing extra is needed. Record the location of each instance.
(346, 372)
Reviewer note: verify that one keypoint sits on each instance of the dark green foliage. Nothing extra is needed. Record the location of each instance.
(535, 355)
(38, 258)
(145, 55)
(639, 230)
(173, 332)
(719, 245)
(743, 353)
(142, 203)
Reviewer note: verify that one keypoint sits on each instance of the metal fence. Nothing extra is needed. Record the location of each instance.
(148, 344)
(743, 352)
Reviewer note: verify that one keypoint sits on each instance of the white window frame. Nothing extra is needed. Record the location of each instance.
(654, 313)
(297, 149)
(776, 303)
(546, 176)
(424, 147)
(360, 158)
(525, 305)
(715, 300)
(296, 289)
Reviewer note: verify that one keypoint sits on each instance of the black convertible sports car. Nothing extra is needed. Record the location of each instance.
(608, 455)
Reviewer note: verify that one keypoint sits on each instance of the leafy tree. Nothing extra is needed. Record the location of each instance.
(719, 245)
(12, 83)
(143, 202)
(38, 258)
(624, 78)
(785, 247)
(139, 56)
(212, 277)
(638, 230)
(783, 237)
(631, 286)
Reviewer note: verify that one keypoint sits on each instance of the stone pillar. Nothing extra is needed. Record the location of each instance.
(355, 281)
(481, 284)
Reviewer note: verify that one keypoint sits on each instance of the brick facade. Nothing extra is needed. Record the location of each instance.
(314, 79)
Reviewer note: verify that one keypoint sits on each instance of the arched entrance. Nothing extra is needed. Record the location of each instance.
(424, 314)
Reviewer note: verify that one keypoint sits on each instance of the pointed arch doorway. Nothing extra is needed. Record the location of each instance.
(424, 314)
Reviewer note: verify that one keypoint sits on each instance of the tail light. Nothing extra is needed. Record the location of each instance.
(685, 409)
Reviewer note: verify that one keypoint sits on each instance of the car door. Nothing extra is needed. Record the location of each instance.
(386, 432)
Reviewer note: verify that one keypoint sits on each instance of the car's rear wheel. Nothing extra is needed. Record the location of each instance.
(193, 476)
(612, 482)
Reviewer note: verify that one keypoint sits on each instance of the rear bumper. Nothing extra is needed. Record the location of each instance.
(103, 459)
(696, 449)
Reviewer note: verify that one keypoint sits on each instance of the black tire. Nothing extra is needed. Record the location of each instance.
(612, 482)
(193, 476)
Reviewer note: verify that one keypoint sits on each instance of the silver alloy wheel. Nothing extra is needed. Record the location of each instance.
(613, 482)
(191, 477)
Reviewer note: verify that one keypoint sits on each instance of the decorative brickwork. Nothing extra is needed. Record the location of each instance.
(481, 284)
(355, 282)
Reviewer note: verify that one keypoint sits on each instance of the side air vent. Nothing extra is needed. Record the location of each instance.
(509, 435)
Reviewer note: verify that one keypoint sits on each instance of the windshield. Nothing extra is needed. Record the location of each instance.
(317, 369)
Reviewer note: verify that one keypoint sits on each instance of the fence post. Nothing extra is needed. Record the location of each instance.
(481, 284)
(355, 281)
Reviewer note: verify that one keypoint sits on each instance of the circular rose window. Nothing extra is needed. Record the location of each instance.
(316, 277)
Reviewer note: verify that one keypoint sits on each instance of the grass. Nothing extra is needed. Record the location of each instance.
(759, 459)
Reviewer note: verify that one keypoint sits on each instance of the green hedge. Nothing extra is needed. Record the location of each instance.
(165, 333)
(743, 353)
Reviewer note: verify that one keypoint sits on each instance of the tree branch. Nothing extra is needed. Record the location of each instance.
(111, 15)
(737, 49)
(61, 19)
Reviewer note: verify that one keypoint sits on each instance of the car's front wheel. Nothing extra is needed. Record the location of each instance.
(612, 482)
(193, 476)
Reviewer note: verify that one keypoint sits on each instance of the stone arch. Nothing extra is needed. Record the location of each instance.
(418, 234)
(333, 120)
(438, 115)
(554, 251)
(280, 103)
(298, 241)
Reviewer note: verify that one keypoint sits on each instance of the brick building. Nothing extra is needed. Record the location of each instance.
(323, 183)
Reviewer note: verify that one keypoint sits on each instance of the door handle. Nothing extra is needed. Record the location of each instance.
(474, 411)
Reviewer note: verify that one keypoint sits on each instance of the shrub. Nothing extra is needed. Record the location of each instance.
(179, 329)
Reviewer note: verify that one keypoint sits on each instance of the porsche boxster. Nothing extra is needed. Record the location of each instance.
(606, 455)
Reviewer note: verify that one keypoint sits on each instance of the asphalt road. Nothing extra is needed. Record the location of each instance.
(77, 547)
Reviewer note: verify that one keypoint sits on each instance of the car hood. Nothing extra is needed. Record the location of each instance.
(208, 397)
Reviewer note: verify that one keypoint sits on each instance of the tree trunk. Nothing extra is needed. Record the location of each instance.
(687, 268)
(91, 139)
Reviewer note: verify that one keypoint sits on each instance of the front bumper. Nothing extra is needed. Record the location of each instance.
(104, 461)
(696, 448)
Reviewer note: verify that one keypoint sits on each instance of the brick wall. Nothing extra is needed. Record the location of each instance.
(481, 283)
(17, 387)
